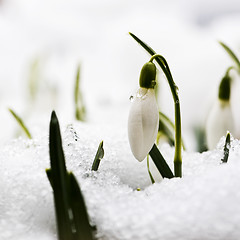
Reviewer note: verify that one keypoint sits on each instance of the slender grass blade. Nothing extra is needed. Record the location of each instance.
(98, 157)
(78, 99)
(21, 123)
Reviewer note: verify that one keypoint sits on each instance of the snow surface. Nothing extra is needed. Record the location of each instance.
(59, 35)
(204, 204)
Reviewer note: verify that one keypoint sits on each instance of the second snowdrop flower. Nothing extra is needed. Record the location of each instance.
(143, 117)
(220, 119)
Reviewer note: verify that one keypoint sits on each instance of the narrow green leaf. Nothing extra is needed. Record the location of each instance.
(80, 216)
(59, 180)
(33, 79)
(149, 172)
(21, 123)
(98, 157)
(78, 99)
(168, 128)
(226, 149)
(165, 133)
(160, 163)
(231, 54)
(49, 175)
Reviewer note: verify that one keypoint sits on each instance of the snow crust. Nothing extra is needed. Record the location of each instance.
(204, 204)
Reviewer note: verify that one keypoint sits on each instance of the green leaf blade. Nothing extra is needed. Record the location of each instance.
(226, 149)
(21, 123)
(79, 210)
(78, 99)
(168, 128)
(98, 157)
(160, 163)
(58, 176)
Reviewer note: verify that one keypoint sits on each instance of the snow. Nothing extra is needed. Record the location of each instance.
(204, 204)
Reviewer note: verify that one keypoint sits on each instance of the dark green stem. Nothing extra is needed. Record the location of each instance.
(164, 66)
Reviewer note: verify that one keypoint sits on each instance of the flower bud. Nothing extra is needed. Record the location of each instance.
(143, 123)
(225, 88)
(148, 75)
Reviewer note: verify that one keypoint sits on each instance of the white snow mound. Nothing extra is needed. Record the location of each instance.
(204, 204)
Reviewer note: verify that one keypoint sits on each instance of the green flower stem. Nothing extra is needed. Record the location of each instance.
(232, 55)
(229, 69)
(149, 172)
(164, 66)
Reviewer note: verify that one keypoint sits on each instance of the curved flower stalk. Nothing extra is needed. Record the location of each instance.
(143, 117)
(220, 119)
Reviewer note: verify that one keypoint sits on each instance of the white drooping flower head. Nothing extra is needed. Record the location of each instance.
(143, 117)
(220, 119)
(219, 122)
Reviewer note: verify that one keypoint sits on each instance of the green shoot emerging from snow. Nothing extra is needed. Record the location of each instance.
(21, 123)
(71, 213)
(226, 149)
(98, 157)
(78, 99)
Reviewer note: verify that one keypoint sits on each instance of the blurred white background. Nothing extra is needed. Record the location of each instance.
(58, 35)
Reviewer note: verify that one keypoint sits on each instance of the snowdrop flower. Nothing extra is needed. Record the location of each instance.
(143, 117)
(220, 119)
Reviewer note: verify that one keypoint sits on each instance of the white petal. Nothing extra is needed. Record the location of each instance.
(143, 123)
(220, 120)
